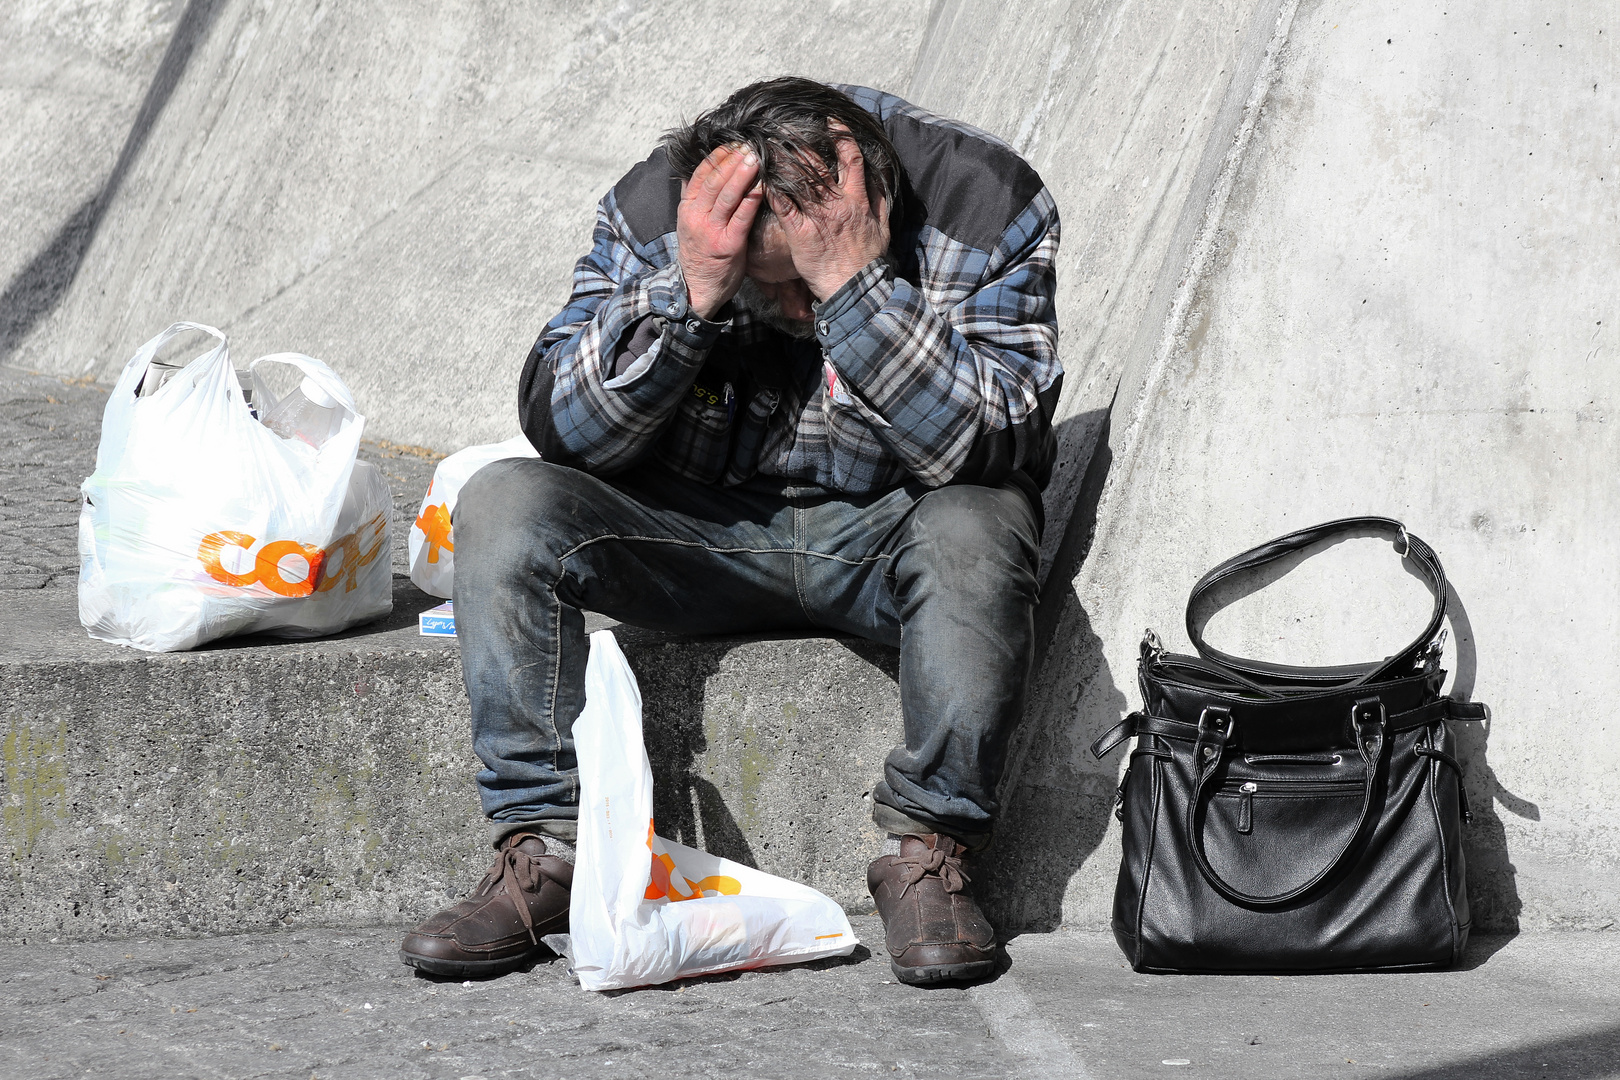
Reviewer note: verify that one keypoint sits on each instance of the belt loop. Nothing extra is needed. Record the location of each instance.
(1369, 721)
(1214, 728)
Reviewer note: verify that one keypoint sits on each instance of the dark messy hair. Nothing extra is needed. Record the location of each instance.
(786, 122)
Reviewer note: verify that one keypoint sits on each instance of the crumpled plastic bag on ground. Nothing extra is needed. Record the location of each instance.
(646, 910)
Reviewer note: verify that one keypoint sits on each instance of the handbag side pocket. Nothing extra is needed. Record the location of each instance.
(1136, 805)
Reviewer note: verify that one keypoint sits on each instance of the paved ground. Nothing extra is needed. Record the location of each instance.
(49, 428)
(337, 1004)
(334, 1004)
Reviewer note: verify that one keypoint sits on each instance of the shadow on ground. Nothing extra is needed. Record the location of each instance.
(1582, 1057)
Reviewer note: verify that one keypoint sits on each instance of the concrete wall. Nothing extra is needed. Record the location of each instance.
(1403, 303)
(1114, 102)
(1335, 260)
(73, 79)
(403, 192)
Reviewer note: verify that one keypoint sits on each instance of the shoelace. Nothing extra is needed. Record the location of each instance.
(933, 861)
(517, 873)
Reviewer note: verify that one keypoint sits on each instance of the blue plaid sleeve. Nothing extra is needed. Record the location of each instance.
(606, 421)
(934, 368)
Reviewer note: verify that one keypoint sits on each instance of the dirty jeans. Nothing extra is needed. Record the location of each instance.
(947, 575)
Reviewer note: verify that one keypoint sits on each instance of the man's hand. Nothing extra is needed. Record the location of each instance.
(833, 240)
(717, 209)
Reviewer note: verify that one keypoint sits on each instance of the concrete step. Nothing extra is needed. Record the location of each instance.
(257, 784)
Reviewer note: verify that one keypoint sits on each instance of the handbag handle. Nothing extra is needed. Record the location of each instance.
(1367, 717)
(1428, 564)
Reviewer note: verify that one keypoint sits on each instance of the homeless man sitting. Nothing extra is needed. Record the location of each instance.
(805, 381)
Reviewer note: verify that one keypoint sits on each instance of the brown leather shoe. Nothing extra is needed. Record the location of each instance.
(934, 928)
(522, 898)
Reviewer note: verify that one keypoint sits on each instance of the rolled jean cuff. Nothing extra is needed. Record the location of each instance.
(562, 828)
(891, 820)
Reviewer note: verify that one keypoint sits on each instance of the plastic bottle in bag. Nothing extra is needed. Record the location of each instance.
(157, 373)
(308, 414)
(244, 379)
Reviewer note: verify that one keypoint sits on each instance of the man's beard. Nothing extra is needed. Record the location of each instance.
(769, 311)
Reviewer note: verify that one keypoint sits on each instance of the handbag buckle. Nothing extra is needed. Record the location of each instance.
(1152, 648)
(1367, 718)
(1430, 658)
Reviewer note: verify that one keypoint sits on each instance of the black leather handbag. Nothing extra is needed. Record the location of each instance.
(1287, 819)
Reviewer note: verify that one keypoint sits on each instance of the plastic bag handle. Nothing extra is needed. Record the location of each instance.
(135, 370)
(119, 416)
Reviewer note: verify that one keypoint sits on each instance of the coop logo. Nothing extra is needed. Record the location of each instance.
(289, 568)
(434, 522)
(665, 879)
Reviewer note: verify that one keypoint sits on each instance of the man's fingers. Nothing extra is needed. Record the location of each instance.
(724, 167)
(783, 206)
(704, 168)
(739, 174)
(743, 218)
(801, 227)
(851, 171)
(708, 178)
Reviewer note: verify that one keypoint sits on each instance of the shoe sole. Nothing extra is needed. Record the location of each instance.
(931, 974)
(470, 969)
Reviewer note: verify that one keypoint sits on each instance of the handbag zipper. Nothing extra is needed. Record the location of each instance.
(1246, 790)
(1294, 759)
(1284, 788)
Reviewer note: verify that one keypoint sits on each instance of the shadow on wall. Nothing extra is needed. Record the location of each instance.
(781, 758)
(41, 285)
(1493, 892)
(686, 807)
(1056, 797)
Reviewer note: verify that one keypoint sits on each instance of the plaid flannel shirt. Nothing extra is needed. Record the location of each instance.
(938, 363)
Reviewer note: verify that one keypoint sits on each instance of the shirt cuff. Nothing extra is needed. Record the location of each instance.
(639, 364)
(846, 312)
(683, 337)
(666, 291)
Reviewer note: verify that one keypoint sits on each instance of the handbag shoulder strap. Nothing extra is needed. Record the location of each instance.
(1408, 546)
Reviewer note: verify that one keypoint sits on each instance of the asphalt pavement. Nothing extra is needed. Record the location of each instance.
(338, 1004)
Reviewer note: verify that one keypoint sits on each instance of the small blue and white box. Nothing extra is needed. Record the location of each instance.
(439, 621)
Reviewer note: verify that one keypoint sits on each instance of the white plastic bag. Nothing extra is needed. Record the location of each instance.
(432, 544)
(646, 910)
(199, 522)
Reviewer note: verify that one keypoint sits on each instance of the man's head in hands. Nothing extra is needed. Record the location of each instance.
(788, 185)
